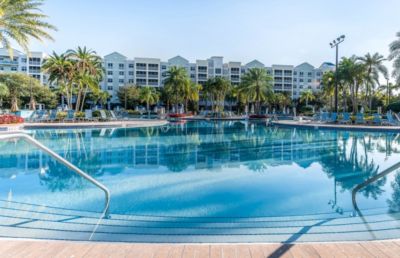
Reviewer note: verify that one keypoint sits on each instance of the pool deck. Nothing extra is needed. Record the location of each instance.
(30, 248)
(79, 125)
(315, 125)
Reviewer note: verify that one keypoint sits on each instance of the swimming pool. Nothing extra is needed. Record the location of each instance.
(203, 182)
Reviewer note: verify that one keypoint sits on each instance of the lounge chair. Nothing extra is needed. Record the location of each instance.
(52, 116)
(40, 116)
(324, 117)
(391, 120)
(103, 115)
(70, 116)
(377, 120)
(113, 116)
(333, 118)
(89, 115)
(346, 119)
(359, 118)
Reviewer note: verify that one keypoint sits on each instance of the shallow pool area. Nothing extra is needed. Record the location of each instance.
(202, 181)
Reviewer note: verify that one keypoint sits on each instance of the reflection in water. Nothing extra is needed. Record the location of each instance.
(394, 202)
(347, 158)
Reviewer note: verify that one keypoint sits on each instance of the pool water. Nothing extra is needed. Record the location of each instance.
(208, 172)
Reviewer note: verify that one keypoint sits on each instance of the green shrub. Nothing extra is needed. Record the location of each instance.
(395, 106)
(96, 113)
(80, 114)
(133, 112)
(61, 115)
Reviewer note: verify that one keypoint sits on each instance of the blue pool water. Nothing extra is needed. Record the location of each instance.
(202, 173)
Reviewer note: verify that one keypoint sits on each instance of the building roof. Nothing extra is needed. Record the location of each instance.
(178, 61)
(305, 66)
(255, 64)
(115, 55)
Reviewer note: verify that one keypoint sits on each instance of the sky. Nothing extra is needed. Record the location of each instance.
(271, 31)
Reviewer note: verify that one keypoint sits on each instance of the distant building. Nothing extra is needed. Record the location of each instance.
(31, 64)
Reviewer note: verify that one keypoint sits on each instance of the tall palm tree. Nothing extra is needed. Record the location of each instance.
(256, 84)
(374, 66)
(4, 93)
(307, 96)
(148, 95)
(21, 20)
(176, 84)
(394, 56)
(328, 86)
(216, 89)
(88, 72)
(61, 71)
(194, 94)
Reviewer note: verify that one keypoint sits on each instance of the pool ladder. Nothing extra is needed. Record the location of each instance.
(31, 140)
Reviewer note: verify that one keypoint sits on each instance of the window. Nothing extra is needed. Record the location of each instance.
(130, 81)
(294, 79)
(131, 73)
(23, 68)
(294, 73)
(13, 68)
(109, 80)
(202, 69)
(130, 66)
(192, 76)
(301, 74)
(309, 74)
(153, 74)
(192, 68)
(121, 73)
(164, 67)
(153, 66)
(23, 60)
(121, 80)
(141, 73)
(141, 81)
(109, 87)
(309, 80)
(318, 73)
(301, 80)
(109, 65)
(121, 66)
(141, 65)
(109, 72)
(218, 70)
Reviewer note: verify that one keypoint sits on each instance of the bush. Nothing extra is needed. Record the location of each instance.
(133, 112)
(96, 113)
(61, 115)
(395, 106)
(80, 114)
(11, 119)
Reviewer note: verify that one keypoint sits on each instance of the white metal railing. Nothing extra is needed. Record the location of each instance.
(29, 139)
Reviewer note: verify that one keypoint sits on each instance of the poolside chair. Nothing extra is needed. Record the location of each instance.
(346, 119)
(333, 118)
(113, 116)
(360, 118)
(89, 115)
(70, 116)
(324, 117)
(391, 120)
(377, 120)
(103, 115)
(40, 116)
(52, 116)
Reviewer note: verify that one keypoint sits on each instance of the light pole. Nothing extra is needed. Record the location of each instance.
(335, 44)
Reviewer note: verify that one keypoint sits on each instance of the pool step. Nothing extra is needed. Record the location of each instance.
(17, 220)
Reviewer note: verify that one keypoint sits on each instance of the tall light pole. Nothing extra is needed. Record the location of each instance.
(335, 44)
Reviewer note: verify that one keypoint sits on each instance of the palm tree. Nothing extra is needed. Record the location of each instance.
(307, 96)
(256, 84)
(61, 71)
(4, 93)
(194, 94)
(176, 84)
(328, 86)
(216, 89)
(88, 72)
(374, 66)
(394, 56)
(21, 20)
(149, 96)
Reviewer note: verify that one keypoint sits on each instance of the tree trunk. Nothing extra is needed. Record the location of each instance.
(148, 109)
(14, 104)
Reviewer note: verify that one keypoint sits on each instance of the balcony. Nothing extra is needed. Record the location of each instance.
(8, 62)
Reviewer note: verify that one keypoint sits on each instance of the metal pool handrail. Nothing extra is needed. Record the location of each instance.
(369, 181)
(27, 138)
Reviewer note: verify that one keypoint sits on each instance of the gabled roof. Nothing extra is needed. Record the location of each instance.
(255, 64)
(115, 55)
(304, 66)
(178, 61)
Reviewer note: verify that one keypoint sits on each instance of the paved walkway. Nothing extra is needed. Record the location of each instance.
(23, 248)
(310, 124)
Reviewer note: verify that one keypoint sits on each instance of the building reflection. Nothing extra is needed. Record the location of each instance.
(346, 157)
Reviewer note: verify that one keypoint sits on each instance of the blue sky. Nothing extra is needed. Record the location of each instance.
(272, 31)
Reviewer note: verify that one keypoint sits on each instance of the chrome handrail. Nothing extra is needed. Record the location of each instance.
(27, 138)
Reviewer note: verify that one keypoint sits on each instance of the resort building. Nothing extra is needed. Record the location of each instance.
(291, 79)
(30, 64)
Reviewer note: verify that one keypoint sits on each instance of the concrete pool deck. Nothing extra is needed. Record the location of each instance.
(31, 248)
(315, 125)
(80, 125)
